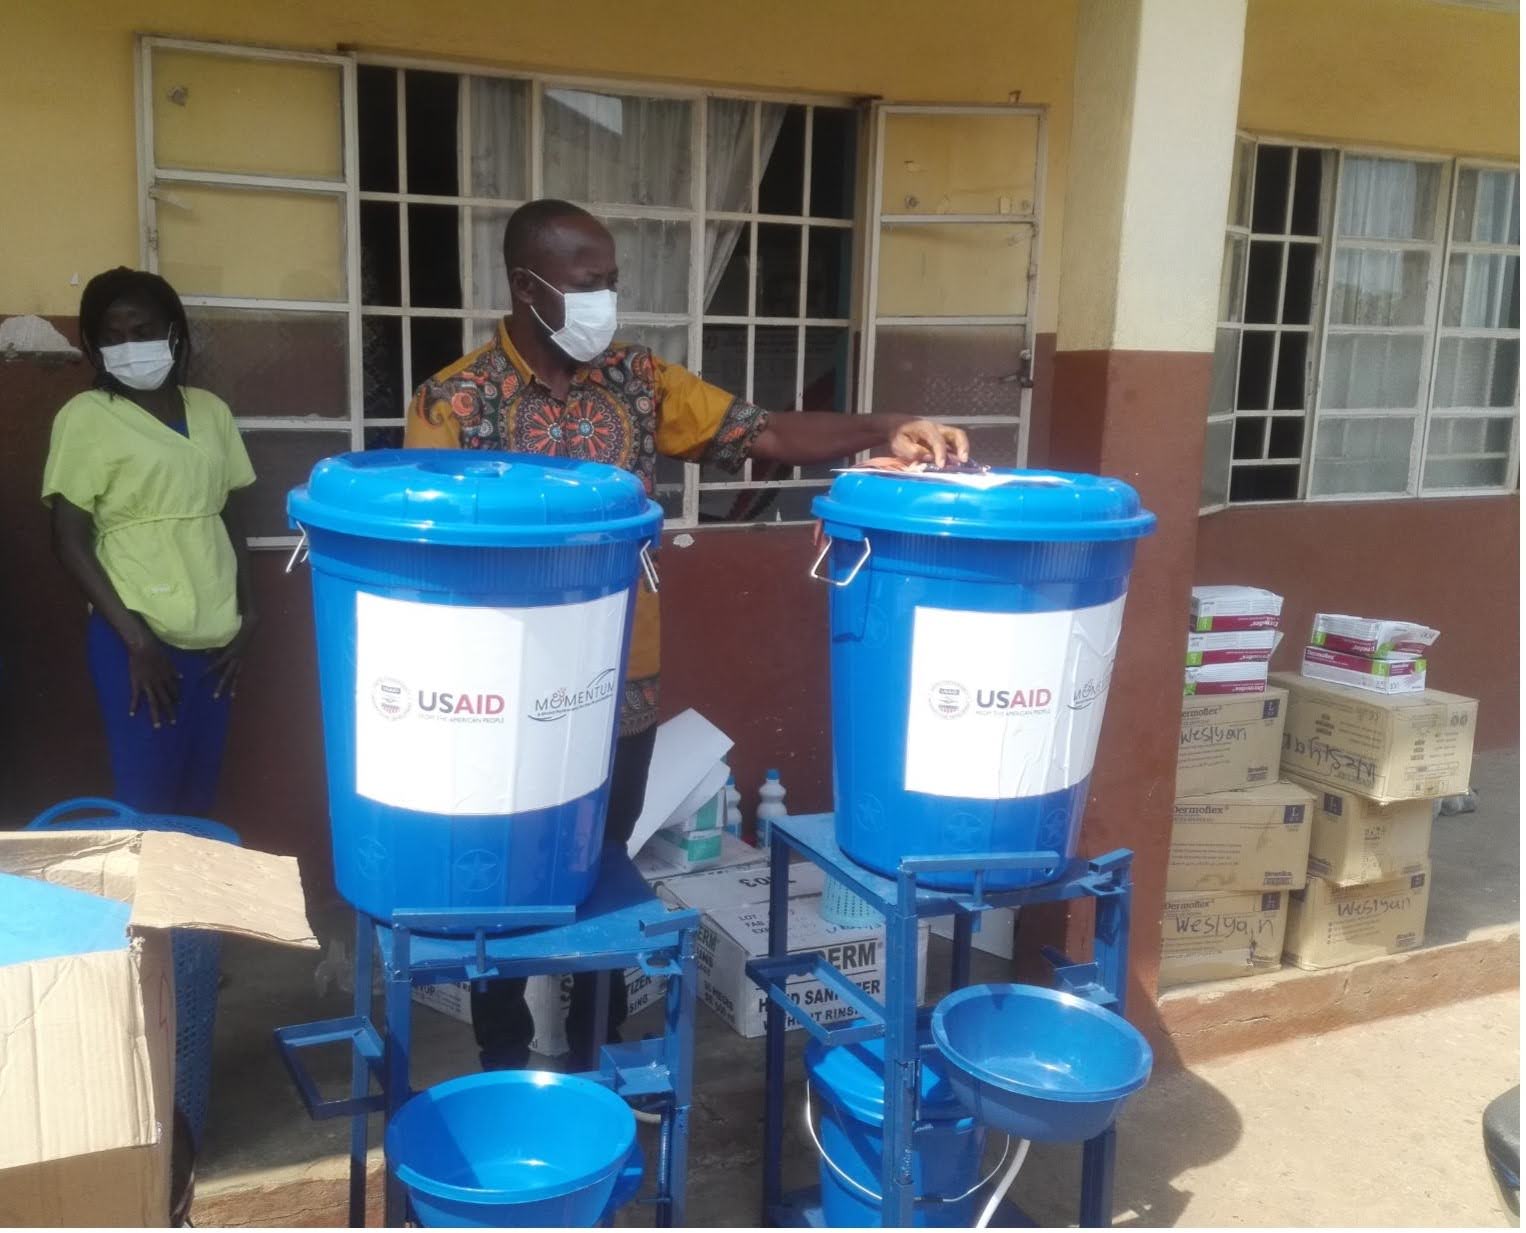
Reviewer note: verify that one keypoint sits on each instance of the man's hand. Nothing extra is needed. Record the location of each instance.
(925, 441)
(230, 660)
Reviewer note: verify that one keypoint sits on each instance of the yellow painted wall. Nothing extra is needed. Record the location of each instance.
(68, 179)
(1414, 74)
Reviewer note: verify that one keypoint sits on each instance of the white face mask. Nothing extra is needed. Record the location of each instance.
(588, 322)
(140, 365)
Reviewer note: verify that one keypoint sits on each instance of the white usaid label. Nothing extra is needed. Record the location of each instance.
(484, 710)
(1007, 704)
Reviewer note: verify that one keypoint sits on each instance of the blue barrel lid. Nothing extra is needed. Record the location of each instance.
(1036, 506)
(854, 1076)
(474, 499)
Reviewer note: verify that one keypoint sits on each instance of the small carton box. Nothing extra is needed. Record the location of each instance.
(1384, 747)
(87, 1039)
(1227, 678)
(1230, 742)
(1379, 676)
(997, 934)
(1374, 639)
(1331, 925)
(1239, 646)
(1353, 840)
(1217, 609)
(1253, 839)
(1217, 935)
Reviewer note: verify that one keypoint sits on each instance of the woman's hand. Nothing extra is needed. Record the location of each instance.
(230, 660)
(925, 441)
(152, 677)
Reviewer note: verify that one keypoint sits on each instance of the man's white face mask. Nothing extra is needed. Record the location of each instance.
(588, 322)
(140, 365)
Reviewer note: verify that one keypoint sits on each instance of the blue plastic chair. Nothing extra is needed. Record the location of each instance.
(196, 951)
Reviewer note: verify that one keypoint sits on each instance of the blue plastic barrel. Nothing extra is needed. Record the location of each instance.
(196, 952)
(848, 1082)
(513, 1149)
(473, 615)
(973, 639)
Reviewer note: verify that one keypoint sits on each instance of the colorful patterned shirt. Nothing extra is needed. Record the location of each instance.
(624, 408)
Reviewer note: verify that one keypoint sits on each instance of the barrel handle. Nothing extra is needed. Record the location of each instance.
(810, 1130)
(852, 573)
(649, 567)
(299, 553)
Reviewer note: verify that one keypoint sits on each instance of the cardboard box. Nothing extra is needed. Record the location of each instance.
(1239, 646)
(1353, 840)
(1217, 935)
(88, 1039)
(1229, 743)
(654, 862)
(1374, 639)
(687, 851)
(1227, 608)
(1253, 839)
(1403, 747)
(997, 934)
(1231, 678)
(1379, 676)
(1331, 925)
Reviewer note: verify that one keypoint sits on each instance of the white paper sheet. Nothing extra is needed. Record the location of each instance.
(684, 755)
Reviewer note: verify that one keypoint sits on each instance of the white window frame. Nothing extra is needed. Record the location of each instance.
(151, 177)
(875, 224)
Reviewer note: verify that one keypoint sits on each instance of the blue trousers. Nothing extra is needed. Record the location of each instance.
(172, 769)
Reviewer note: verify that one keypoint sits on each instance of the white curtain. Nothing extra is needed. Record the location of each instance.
(624, 150)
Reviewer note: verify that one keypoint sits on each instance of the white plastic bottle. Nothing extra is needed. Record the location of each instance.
(770, 806)
(733, 807)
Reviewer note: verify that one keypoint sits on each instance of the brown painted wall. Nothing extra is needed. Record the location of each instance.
(1454, 565)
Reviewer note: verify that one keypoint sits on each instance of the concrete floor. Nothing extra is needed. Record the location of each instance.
(1374, 1125)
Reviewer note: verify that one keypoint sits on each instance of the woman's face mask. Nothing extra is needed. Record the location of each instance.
(588, 322)
(140, 365)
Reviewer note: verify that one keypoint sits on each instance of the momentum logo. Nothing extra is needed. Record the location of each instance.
(563, 701)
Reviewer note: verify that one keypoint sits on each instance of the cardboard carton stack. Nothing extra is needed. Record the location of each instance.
(1230, 640)
(1240, 837)
(1386, 657)
(1375, 762)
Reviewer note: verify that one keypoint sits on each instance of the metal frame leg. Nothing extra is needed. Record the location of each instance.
(680, 1047)
(600, 1031)
(360, 1072)
(901, 1058)
(399, 1019)
(964, 933)
(773, 1088)
(1110, 952)
(1097, 1160)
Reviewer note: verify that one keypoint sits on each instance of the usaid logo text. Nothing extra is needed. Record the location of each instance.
(951, 700)
(393, 699)
(563, 701)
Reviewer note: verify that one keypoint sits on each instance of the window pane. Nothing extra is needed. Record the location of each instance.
(376, 98)
(1388, 199)
(617, 148)
(669, 479)
(243, 242)
(1250, 437)
(1467, 473)
(1376, 287)
(432, 102)
(725, 358)
(437, 343)
(1306, 192)
(726, 262)
(1286, 440)
(993, 446)
(948, 370)
(947, 269)
(728, 154)
(490, 279)
(828, 369)
(654, 264)
(1263, 281)
(1288, 392)
(960, 164)
(829, 277)
(1372, 370)
(381, 260)
(1488, 206)
(1477, 372)
(1362, 456)
(381, 348)
(834, 162)
(282, 461)
(253, 117)
(669, 342)
(1239, 184)
(500, 138)
(778, 284)
(781, 154)
(263, 363)
(1455, 435)
(775, 349)
(1216, 462)
(1255, 387)
(1483, 291)
(1298, 292)
(434, 256)
(1232, 282)
(1274, 173)
(1226, 354)
(1263, 484)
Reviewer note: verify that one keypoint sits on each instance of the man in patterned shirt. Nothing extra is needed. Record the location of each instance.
(553, 381)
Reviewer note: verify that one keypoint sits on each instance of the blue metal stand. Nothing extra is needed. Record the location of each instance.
(903, 901)
(621, 925)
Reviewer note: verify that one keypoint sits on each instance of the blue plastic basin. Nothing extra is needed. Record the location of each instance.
(511, 1149)
(1039, 1063)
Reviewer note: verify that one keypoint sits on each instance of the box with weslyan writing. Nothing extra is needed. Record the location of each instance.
(1386, 748)
(1253, 839)
(1230, 742)
(1217, 935)
(1353, 840)
(1332, 925)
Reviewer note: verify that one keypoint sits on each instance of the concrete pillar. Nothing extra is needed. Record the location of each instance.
(1156, 95)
